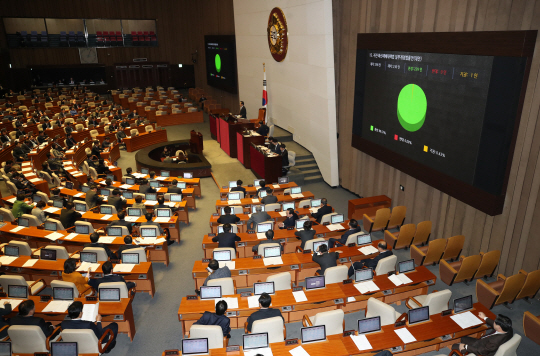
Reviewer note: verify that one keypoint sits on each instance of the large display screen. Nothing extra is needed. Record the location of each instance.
(443, 115)
(221, 62)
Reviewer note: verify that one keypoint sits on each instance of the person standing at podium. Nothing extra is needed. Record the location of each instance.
(243, 113)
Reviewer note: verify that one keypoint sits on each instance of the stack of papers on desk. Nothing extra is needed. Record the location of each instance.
(161, 220)
(361, 342)
(261, 235)
(269, 261)
(366, 287)
(12, 200)
(300, 296)
(131, 218)
(51, 210)
(298, 351)
(405, 335)
(125, 186)
(234, 202)
(71, 236)
(253, 301)
(335, 227)
(57, 306)
(6, 260)
(230, 264)
(297, 196)
(160, 240)
(14, 302)
(265, 351)
(78, 174)
(90, 312)
(106, 239)
(124, 267)
(86, 265)
(25, 164)
(172, 204)
(54, 236)
(255, 201)
(276, 186)
(161, 178)
(33, 180)
(106, 217)
(150, 202)
(30, 263)
(16, 229)
(232, 303)
(283, 213)
(399, 279)
(368, 250)
(466, 320)
(313, 210)
(78, 195)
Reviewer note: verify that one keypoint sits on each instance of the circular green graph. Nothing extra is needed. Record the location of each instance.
(411, 107)
(218, 63)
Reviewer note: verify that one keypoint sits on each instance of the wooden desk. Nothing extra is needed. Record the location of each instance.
(179, 119)
(368, 206)
(243, 143)
(145, 139)
(227, 133)
(267, 168)
(247, 202)
(252, 190)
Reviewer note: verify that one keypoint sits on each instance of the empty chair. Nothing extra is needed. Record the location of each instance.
(437, 301)
(87, 342)
(148, 128)
(275, 327)
(531, 326)
(93, 134)
(379, 222)
(134, 132)
(100, 251)
(459, 271)
(422, 234)
(430, 254)
(228, 286)
(397, 218)
(214, 333)
(28, 339)
(7, 216)
(531, 285)
(326, 219)
(85, 223)
(141, 251)
(272, 207)
(490, 260)
(309, 244)
(93, 173)
(34, 287)
(454, 246)
(48, 179)
(12, 188)
(333, 320)
(336, 274)
(292, 159)
(282, 281)
(304, 203)
(79, 127)
(56, 180)
(503, 291)
(386, 265)
(400, 239)
(271, 129)
(387, 313)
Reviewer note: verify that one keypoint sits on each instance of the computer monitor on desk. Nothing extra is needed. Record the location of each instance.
(222, 255)
(264, 227)
(210, 292)
(254, 208)
(15, 291)
(48, 254)
(148, 232)
(127, 195)
(5, 348)
(463, 304)
(85, 188)
(23, 222)
(109, 294)
(165, 174)
(296, 190)
(62, 293)
(274, 251)
(132, 258)
(110, 176)
(90, 257)
(287, 206)
(315, 203)
(364, 239)
(317, 244)
(255, 341)
(12, 251)
(418, 315)
(154, 184)
(315, 282)
(369, 325)
(188, 175)
(114, 231)
(175, 198)
(257, 182)
(107, 210)
(130, 181)
(105, 192)
(150, 196)
(145, 171)
(232, 184)
(181, 185)
(82, 229)
(362, 275)
(337, 218)
(406, 266)
(133, 211)
(163, 213)
(50, 226)
(300, 223)
(233, 196)
(80, 207)
(263, 287)
(64, 349)
(58, 203)
(69, 185)
(263, 193)
(195, 346)
(313, 334)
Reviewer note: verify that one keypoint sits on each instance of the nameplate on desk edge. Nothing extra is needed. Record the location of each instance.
(172, 352)
(343, 259)
(287, 193)
(215, 214)
(223, 199)
(277, 210)
(251, 231)
(348, 333)
(290, 342)
(205, 260)
(211, 235)
(338, 301)
(352, 244)
(250, 185)
(241, 244)
(446, 312)
(245, 294)
(347, 281)
(234, 348)
(192, 297)
(320, 235)
(293, 267)
(286, 308)
(430, 282)
(256, 257)
(297, 289)
(231, 313)
(44, 298)
(224, 187)
(307, 251)
(290, 227)
(306, 207)
(242, 272)
(3, 295)
(399, 324)
(91, 299)
(396, 349)
(326, 223)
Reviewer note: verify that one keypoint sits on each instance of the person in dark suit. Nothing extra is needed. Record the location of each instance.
(216, 272)
(227, 238)
(121, 222)
(325, 259)
(372, 262)
(93, 121)
(101, 168)
(92, 198)
(108, 277)
(96, 150)
(42, 138)
(269, 240)
(128, 244)
(488, 344)
(269, 198)
(265, 312)
(117, 201)
(70, 141)
(218, 318)
(106, 143)
(239, 188)
(74, 322)
(262, 186)
(18, 153)
(276, 146)
(323, 210)
(129, 172)
(284, 156)
(20, 132)
(263, 129)
(353, 229)
(305, 235)
(173, 188)
(68, 216)
(94, 237)
(26, 317)
(243, 113)
(228, 218)
(4, 136)
(290, 220)
(257, 217)
(6, 310)
(145, 187)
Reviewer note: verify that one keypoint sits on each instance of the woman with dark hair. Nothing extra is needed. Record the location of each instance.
(166, 152)
(71, 275)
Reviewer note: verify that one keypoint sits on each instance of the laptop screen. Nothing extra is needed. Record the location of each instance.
(194, 346)
(283, 180)
(188, 175)
(254, 208)
(58, 203)
(255, 341)
(363, 239)
(220, 229)
(337, 219)
(69, 185)
(130, 181)
(80, 207)
(64, 349)
(263, 287)
(263, 193)
(315, 282)
(181, 185)
(17, 291)
(361, 275)
(148, 232)
(166, 174)
(418, 315)
(11, 251)
(130, 258)
(208, 292)
(176, 197)
(319, 243)
(296, 190)
(369, 325)
(300, 223)
(85, 188)
(5, 348)
(145, 170)
(48, 254)
(150, 196)
(163, 213)
(313, 333)
(23, 222)
(105, 192)
(232, 184)
(105, 210)
(109, 294)
(234, 196)
(154, 184)
(315, 203)
(257, 182)
(264, 227)
(134, 212)
(127, 195)
(463, 303)
(287, 206)
(274, 251)
(114, 231)
(406, 266)
(224, 255)
(89, 257)
(82, 229)
(60, 293)
(110, 176)
(50, 225)
(36, 198)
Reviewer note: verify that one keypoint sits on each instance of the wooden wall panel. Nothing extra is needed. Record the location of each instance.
(514, 231)
(181, 26)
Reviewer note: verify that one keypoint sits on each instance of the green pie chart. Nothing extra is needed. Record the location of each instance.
(412, 107)
(218, 63)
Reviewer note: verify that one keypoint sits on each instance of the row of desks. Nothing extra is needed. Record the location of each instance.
(251, 190)
(246, 203)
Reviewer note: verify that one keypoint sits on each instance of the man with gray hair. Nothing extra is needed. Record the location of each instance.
(257, 217)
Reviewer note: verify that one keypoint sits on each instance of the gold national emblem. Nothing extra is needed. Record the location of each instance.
(277, 34)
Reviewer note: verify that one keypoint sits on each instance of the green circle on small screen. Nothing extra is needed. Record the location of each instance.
(412, 107)
(218, 63)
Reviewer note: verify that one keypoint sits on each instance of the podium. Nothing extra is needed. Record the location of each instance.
(243, 143)
(267, 168)
(227, 134)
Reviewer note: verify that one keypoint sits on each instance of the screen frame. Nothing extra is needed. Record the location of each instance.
(64, 342)
(454, 304)
(110, 300)
(323, 286)
(222, 38)
(220, 292)
(311, 327)
(259, 283)
(244, 343)
(419, 321)
(196, 352)
(369, 332)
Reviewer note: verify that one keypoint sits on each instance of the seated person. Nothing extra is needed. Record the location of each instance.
(228, 218)
(38, 211)
(94, 237)
(26, 317)
(488, 344)
(121, 222)
(20, 207)
(42, 138)
(116, 200)
(68, 215)
(166, 152)
(264, 312)
(22, 183)
(5, 310)
(152, 175)
(162, 232)
(371, 262)
(129, 172)
(223, 272)
(18, 153)
(270, 198)
(305, 235)
(102, 169)
(257, 217)
(353, 229)
(125, 123)
(70, 141)
(269, 240)
(106, 143)
(290, 220)
(325, 259)
(75, 322)
(217, 318)
(173, 188)
(138, 203)
(263, 129)
(323, 210)
(145, 187)
(128, 244)
(226, 238)
(92, 198)
(107, 268)
(71, 275)
(96, 149)
(55, 196)
(239, 188)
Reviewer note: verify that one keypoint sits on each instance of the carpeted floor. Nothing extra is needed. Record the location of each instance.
(156, 319)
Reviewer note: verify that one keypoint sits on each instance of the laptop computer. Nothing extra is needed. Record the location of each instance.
(296, 190)
(315, 203)
(127, 195)
(263, 287)
(283, 180)
(223, 255)
(12, 251)
(369, 325)
(148, 232)
(90, 257)
(362, 275)
(364, 239)
(61, 293)
(80, 207)
(315, 282)
(254, 341)
(50, 226)
(130, 258)
(130, 181)
(15, 291)
(114, 231)
(319, 243)
(195, 346)
(163, 213)
(463, 304)
(175, 198)
(210, 292)
(133, 212)
(109, 294)
(418, 315)
(188, 175)
(337, 218)
(64, 349)
(23, 222)
(406, 266)
(107, 210)
(232, 184)
(48, 254)
(166, 174)
(82, 229)
(313, 334)
(181, 185)
(264, 227)
(5, 348)
(274, 251)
